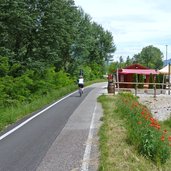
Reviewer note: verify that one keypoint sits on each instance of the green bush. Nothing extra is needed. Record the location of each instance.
(158, 81)
(15, 90)
(161, 80)
(4, 66)
(2, 92)
(151, 80)
(30, 85)
(62, 79)
(135, 79)
(141, 80)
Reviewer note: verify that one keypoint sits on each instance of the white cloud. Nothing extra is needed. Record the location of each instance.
(133, 23)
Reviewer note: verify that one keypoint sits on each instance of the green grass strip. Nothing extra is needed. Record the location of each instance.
(116, 153)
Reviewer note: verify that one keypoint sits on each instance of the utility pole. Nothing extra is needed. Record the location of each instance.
(166, 55)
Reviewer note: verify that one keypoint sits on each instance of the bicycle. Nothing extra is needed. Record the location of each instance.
(80, 91)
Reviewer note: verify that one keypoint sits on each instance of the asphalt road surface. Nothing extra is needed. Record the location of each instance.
(60, 138)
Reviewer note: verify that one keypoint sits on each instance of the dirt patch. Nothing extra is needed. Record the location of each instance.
(160, 106)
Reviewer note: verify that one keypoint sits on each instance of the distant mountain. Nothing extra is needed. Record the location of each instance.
(165, 62)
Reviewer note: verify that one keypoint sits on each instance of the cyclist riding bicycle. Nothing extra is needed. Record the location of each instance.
(81, 83)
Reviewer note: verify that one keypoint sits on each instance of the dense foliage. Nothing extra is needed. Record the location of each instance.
(150, 57)
(43, 46)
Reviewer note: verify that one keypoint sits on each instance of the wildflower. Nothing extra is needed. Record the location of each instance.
(169, 138)
(139, 122)
(162, 138)
(152, 125)
(152, 119)
(165, 131)
(142, 113)
(157, 126)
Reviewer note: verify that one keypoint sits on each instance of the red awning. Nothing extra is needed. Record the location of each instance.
(138, 71)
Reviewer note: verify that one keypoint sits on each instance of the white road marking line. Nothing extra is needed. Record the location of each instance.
(28, 120)
(87, 152)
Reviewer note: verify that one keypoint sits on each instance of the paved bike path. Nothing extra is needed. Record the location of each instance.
(76, 147)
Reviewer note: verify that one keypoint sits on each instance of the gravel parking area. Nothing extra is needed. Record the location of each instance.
(160, 106)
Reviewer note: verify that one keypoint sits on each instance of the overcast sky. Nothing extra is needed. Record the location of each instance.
(134, 24)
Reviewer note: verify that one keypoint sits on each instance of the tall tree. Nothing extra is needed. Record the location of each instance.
(151, 57)
(93, 45)
(15, 24)
(40, 33)
(128, 61)
(113, 67)
(136, 58)
(121, 60)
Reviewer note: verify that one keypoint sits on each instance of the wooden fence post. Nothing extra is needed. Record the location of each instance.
(136, 89)
(154, 90)
(114, 88)
(169, 79)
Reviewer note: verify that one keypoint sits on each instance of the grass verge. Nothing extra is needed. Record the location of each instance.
(116, 154)
(10, 115)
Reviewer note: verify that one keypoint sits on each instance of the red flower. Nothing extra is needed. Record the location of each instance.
(162, 138)
(152, 125)
(152, 119)
(142, 113)
(169, 138)
(158, 126)
(139, 122)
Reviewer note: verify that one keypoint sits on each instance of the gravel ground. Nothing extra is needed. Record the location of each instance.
(160, 106)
